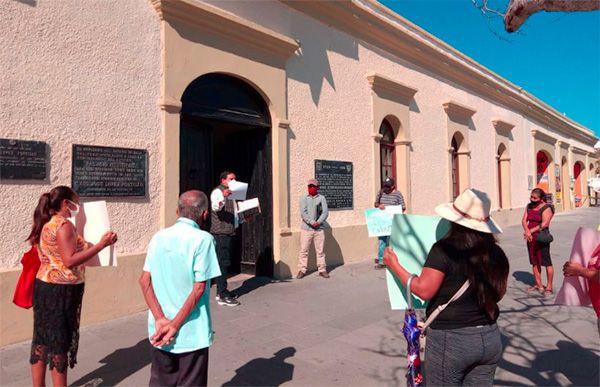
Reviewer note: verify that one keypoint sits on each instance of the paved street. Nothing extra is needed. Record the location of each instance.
(340, 331)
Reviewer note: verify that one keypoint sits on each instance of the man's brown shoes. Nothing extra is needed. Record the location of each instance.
(324, 274)
(300, 275)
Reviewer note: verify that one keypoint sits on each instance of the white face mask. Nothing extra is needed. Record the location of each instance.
(75, 211)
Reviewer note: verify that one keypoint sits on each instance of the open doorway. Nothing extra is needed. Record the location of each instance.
(225, 125)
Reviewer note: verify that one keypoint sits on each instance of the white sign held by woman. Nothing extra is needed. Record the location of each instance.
(92, 222)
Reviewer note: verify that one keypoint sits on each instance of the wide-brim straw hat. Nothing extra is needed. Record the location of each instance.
(472, 210)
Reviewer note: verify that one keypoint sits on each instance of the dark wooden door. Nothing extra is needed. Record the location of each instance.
(455, 171)
(196, 167)
(253, 165)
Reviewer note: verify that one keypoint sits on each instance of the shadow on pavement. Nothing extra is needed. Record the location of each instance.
(524, 277)
(578, 365)
(273, 371)
(254, 283)
(118, 366)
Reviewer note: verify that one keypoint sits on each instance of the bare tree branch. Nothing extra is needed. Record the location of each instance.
(520, 10)
(482, 5)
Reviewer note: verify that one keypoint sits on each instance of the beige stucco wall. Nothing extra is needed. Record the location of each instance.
(84, 73)
(94, 73)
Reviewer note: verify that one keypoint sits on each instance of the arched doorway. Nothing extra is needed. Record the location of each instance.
(564, 183)
(458, 164)
(503, 167)
(543, 174)
(387, 151)
(578, 183)
(225, 125)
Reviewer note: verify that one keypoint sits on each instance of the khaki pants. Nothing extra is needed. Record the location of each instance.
(306, 237)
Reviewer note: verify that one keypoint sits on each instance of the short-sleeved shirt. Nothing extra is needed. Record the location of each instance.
(179, 256)
(52, 269)
(465, 311)
(394, 198)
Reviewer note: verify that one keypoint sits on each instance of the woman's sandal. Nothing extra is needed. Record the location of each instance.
(548, 293)
(532, 289)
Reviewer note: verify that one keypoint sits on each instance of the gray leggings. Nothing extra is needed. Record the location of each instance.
(465, 356)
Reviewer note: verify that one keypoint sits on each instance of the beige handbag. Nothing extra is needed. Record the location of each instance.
(424, 324)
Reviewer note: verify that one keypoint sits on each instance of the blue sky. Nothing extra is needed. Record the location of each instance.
(554, 56)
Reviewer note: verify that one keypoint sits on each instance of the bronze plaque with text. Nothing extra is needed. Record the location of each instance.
(335, 183)
(23, 160)
(99, 171)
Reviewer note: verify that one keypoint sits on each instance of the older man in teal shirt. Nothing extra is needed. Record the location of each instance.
(180, 263)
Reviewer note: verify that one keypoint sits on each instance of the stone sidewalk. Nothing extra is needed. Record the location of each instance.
(317, 332)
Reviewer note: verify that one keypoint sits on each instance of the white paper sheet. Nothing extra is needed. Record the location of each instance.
(91, 223)
(248, 205)
(238, 190)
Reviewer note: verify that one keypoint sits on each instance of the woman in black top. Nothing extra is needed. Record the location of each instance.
(463, 343)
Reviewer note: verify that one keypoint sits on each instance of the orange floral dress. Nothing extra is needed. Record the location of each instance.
(52, 269)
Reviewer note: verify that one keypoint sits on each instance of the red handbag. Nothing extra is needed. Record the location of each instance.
(23, 296)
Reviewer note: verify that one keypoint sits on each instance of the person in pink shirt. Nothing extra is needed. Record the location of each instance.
(592, 274)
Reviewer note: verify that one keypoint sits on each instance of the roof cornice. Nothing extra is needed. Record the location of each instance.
(389, 87)
(375, 24)
(215, 21)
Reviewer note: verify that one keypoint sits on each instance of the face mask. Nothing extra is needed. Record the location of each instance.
(75, 211)
(535, 203)
(312, 191)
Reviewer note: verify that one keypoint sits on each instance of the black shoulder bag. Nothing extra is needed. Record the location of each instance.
(544, 237)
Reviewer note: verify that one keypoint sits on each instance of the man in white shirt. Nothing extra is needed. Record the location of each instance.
(224, 222)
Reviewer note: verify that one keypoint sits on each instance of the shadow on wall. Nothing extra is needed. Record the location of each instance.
(273, 371)
(31, 3)
(118, 366)
(311, 65)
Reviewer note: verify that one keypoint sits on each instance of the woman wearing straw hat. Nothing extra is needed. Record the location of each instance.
(463, 342)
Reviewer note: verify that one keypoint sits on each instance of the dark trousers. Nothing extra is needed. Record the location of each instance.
(179, 369)
(462, 357)
(223, 246)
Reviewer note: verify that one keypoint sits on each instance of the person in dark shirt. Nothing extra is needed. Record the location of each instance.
(463, 343)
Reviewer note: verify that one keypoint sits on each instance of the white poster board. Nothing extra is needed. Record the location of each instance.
(248, 205)
(379, 222)
(91, 223)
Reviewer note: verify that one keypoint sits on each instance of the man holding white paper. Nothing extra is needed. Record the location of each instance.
(388, 196)
(223, 224)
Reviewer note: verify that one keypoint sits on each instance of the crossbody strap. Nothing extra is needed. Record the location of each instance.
(440, 308)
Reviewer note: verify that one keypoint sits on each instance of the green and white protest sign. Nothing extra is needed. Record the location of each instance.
(411, 239)
(379, 222)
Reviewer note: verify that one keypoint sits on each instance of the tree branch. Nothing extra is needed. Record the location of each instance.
(520, 10)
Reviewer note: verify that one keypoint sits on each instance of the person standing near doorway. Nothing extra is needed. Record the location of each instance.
(387, 196)
(175, 282)
(223, 224)
(537, 216)
(314, 212)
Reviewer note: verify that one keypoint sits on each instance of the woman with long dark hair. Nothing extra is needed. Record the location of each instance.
(463, 342)
(537, 217)
(59, 284)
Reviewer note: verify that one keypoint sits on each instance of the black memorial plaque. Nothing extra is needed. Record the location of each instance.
(23, 160)
(109, 172)
(335, 183)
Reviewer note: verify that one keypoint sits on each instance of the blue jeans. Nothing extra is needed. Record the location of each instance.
(384, 241)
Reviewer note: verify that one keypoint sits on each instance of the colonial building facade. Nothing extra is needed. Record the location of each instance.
(272, 90)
